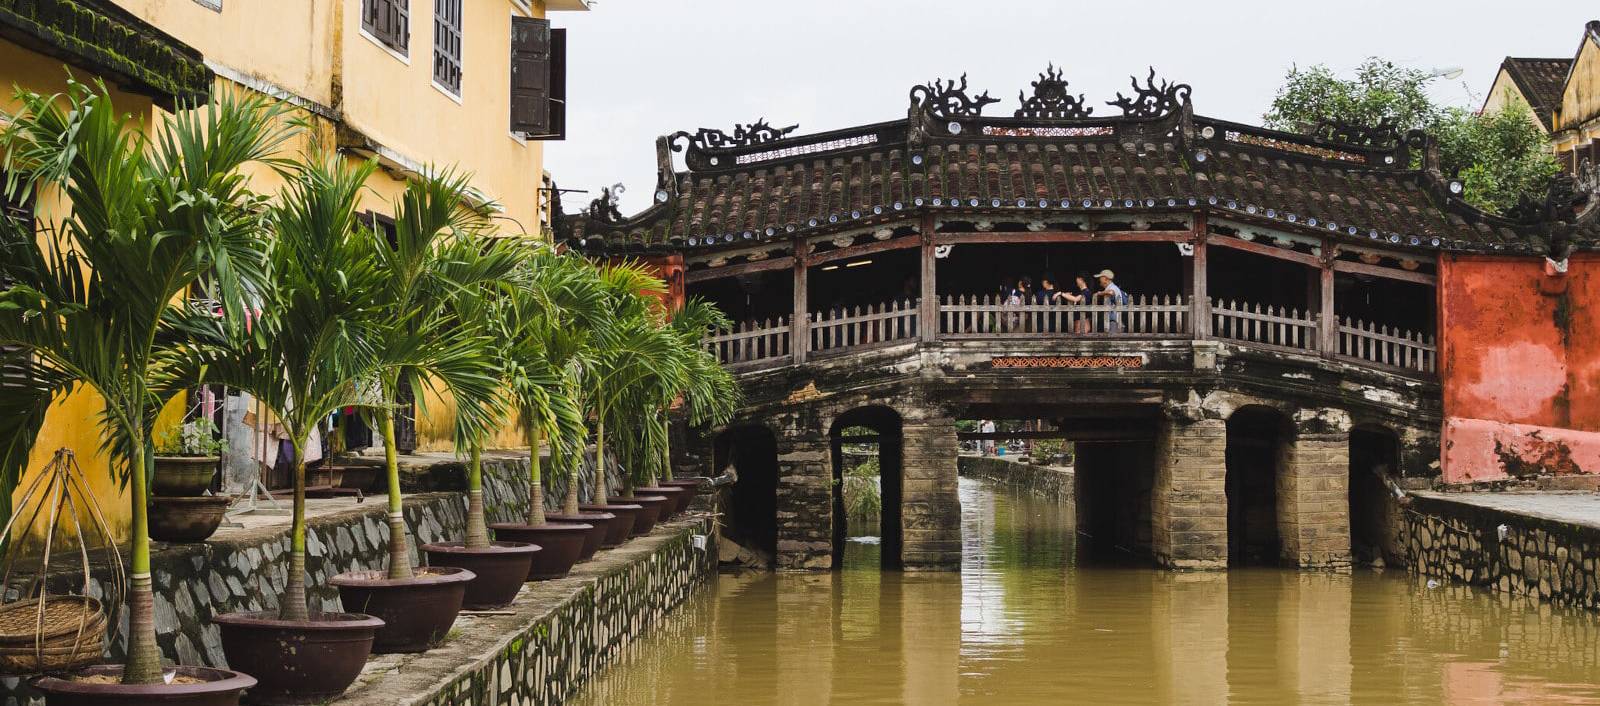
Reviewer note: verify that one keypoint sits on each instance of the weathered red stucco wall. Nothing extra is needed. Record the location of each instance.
(1520, 366)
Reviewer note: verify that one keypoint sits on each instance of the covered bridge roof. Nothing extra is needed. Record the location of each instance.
(1053, 154)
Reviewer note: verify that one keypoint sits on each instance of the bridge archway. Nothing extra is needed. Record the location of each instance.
(1374, 457)
(751, 518)
(885, 429)
(1256, 457)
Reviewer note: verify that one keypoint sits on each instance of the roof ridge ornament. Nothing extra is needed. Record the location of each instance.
(1150, 100)
(1382, 136)
(947, 99)
(1051, 100)
(604, 209)
(756, 133)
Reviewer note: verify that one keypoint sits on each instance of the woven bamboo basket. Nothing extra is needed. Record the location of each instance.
(73, 634)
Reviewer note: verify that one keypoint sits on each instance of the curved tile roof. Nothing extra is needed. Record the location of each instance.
(762, 183)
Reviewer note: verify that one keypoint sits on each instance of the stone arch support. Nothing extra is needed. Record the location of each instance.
(1313, 490)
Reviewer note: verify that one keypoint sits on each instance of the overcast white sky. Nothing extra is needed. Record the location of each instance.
(643, 68)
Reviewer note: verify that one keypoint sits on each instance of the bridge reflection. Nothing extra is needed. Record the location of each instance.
(1026, 623)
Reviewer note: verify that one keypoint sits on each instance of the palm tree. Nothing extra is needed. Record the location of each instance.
(95, 298)
(544, 344)
(439, 254)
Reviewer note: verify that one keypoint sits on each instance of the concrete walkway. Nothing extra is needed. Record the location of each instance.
(1572, 508)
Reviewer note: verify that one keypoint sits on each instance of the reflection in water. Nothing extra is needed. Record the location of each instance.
(1026, 622)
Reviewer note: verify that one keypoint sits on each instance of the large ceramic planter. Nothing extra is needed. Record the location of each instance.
(680, 500)
(646, 520)
(216, 687)
(599, 523)
(185, 519)
(183, 476)
(501, 568)
(298, 661)
(417, 612)
(560, 546)
(693, 485)
(619, 529)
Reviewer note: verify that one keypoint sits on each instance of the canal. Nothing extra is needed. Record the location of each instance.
(1029, 621)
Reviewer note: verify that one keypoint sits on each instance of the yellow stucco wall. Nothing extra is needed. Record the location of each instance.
(315, 55)
(71, 423)
(1504, 93)
(1578, 120)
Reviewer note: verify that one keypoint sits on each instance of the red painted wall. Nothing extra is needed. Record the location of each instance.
(1520, 366)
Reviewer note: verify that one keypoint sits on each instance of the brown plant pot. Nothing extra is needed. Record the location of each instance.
(600, 524)
(220, 688)
(298, 661)
(619, 529)
(646, 519)
(501, 568)
(417, 612)
(186, 519)
(690, 484)
(183, 476)
(561, 546)
(680, 500)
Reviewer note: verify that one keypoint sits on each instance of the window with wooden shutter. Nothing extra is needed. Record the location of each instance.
(447, 44)
(388, 21)
(538, 79)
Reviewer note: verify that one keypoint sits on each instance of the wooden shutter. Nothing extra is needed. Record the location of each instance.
(400, 24)
(538, 79)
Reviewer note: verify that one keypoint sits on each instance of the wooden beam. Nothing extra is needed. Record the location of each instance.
(1151, 236)
(1200, 302)
(900, 243)
(1363, 268)
(1132, 433)
(1327, 322)
(928, 306)
(800, 321)
(1267, 250)
(743, 268)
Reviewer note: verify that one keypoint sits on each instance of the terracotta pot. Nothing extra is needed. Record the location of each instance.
(298, 661)
(599, 521)
(619, 529)
(221, 688)
(647, 518)
(680, 500)
(501, 568)
(183, 476)
(692, 485)
(417, 612)
(561, 545)
(185, 519)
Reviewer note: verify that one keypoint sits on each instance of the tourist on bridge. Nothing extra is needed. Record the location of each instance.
(1082, 294)
(1110, 293)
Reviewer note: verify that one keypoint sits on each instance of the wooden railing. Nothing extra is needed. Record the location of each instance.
(1159, 316)
(1387, 346)
(855, 327)
(1273, 326)
(751, 342)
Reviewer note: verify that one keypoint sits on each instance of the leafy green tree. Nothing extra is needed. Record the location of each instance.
(97, 298)
(1502, 158)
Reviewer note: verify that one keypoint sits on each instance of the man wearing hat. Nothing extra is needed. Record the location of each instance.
(1110, 293)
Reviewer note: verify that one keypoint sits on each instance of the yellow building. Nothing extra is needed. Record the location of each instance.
(477, 85)
(1564, 94)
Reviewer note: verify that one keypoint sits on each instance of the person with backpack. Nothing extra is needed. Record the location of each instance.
(1110, 293)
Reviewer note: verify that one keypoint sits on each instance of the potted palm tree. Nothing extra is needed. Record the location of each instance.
(322, 340)
(96, 300)
(542, 345)
(438, 251)
(708, 393)
(630, 343)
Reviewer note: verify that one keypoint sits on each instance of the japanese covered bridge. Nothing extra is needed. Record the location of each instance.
(1275, 369)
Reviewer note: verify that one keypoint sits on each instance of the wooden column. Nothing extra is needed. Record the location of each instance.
(800, 321)
(928, 309)
(1200, 305)
(1327, 323)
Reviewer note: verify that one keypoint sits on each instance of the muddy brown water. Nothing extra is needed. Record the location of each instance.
(1028, 622)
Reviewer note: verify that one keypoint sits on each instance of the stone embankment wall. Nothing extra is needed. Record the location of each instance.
(247, 569)
(1545, 558)
(558, 634)
(1044, 481)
